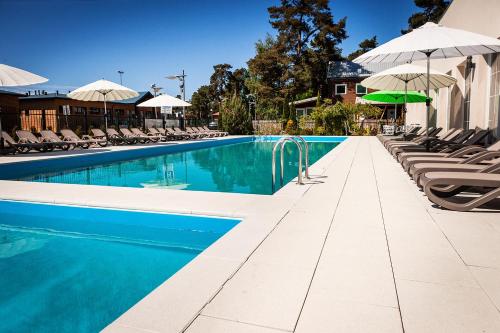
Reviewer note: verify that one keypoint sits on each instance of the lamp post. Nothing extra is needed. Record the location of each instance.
(182, 86)
(121, 76)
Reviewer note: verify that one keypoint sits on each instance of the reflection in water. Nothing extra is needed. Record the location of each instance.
(242, 168)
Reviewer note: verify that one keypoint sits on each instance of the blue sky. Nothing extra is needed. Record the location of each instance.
(75, 42)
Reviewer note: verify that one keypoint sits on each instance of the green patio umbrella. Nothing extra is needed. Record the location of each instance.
(395, 97)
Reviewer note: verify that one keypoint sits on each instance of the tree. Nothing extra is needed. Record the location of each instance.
(268, 73)
(308, 35)
(433, 10)
(201, 102)
(237, 82)
(220, 81)
(364, 46)
(234, 116)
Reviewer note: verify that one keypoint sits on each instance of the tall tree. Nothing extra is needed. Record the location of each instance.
(201, 102)
(268, 73)
(310, 37)
(237, 82)
(432, 11)
(364, 46)
(220, 81)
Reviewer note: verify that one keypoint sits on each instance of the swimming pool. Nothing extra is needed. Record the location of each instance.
(75, 269)
(241, 165)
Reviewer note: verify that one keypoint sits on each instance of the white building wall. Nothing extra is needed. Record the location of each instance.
(481, 16)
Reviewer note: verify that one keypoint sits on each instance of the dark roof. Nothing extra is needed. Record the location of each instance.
(349, 69)
(44, 96)
(6, 92)
(142, 96)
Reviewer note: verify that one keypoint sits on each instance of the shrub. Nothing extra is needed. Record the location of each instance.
(234, 117)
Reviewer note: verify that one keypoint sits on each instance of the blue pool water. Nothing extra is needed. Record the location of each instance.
(243, 167)
(73, 269)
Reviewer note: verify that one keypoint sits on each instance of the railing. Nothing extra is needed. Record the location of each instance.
(281, 144)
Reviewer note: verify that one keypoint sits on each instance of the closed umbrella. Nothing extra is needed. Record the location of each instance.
(431, 41)
(408, 76)
(11, 77)
(102, 91)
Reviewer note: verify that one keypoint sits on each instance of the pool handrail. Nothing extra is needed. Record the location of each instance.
(281, 143)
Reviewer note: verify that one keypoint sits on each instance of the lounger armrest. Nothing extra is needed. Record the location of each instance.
(484, 156)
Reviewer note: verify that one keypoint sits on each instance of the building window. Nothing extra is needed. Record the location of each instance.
(494, 112)
(360, 90)
(340, 89)
(469, 67)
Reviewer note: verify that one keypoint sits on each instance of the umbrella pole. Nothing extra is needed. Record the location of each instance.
(1, 133)
(428, 100)
(405, 110)
(105, 116)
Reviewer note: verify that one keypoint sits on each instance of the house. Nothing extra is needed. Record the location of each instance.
(344, 84)
(40, 110)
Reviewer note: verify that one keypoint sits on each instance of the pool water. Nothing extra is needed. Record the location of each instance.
(241, 168)
(73, 269)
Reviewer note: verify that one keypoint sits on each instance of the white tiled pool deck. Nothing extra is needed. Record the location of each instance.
(357, 249)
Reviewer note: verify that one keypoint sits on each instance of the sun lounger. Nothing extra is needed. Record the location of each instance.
(21, 147)
(85, 141)
(157, 133)
(443, 188)
(141, 135)
(434, 144)
(177, 135)
(466, 155)
(28, 137)
(195, 133)
(221, 133)
(55, 140)
(421, 168)
(116, 138)
(391, 144)
(187, 134)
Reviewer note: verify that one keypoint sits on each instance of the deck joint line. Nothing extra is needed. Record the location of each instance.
(325, 238)
(387, 240)
(188, 324)
(245, 323)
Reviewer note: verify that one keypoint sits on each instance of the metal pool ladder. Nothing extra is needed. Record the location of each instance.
(297, 139)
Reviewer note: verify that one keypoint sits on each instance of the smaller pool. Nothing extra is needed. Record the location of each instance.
(75, 269)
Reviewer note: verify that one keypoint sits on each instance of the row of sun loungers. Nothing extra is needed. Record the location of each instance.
(457, 169)
(48, 140)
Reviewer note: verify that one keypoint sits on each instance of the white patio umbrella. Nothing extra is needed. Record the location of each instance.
(11, 77)
(431, 41)
(406, 77)
(164, 100)
(102, 91)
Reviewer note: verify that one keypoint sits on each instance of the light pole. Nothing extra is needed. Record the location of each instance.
(251, 101)
(156, 90)
(121, 76)
(182, 86)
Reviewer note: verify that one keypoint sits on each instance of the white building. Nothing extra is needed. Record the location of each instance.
(474, 101)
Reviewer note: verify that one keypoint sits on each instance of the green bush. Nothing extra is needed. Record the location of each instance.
(235, 117)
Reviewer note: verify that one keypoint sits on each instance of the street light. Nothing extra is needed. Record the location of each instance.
(182, 86)
(121, 74)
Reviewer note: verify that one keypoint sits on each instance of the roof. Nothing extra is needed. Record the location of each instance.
(142, 96)
(305, 101)
(349, 69)
(6, 92)
(44, 96)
